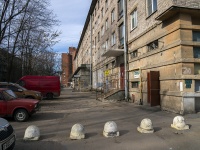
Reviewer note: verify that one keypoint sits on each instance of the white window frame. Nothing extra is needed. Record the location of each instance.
(106, 24)
(102, 30)
(113, 39)
(113, 15)
(151, 6)
(134, 19)
(106, 44)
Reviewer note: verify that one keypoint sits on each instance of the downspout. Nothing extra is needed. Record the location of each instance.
(90, 52)
(125, 51)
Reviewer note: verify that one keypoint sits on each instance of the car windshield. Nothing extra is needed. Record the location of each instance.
(9, 94)
(24, 89)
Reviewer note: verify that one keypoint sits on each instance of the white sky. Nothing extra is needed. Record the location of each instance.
(72, 15)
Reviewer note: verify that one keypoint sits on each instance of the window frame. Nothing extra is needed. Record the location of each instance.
(152, 6)
(134, 16)
(113, 39)
(112, 15)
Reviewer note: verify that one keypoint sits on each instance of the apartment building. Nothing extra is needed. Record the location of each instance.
(67, 67)
(163, 44)
(100, 49)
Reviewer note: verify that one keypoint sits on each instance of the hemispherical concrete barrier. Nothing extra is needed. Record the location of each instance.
(179, 123)
(110, 129)
(146, 126)
(77, 132)
(32, 133)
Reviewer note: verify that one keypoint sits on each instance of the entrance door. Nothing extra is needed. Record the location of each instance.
(153, 84)
(122, 82)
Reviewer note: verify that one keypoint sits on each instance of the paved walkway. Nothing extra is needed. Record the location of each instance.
(58, 116)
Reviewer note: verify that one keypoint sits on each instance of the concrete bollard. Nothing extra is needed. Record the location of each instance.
(32, 133)
(179, 123)
(110, 129)
(77, 132)
(146, 126)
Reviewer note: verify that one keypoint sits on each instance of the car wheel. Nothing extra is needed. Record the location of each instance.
(49, 96)
(21, 115)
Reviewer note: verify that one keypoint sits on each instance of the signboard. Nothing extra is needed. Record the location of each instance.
(107, 72)
(136, 74)
(77, 76)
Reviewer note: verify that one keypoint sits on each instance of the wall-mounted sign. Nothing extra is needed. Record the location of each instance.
(107, 72)
(77, 76)
(136, 74)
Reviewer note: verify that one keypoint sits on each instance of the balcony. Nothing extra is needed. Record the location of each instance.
(113, 53)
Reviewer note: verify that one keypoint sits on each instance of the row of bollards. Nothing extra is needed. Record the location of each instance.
(110, 129)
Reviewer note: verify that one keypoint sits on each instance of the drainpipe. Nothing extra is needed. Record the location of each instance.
(125, 51)
(90, 52)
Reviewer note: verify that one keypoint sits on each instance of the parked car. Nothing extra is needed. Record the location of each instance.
(49, 86)
(7, 135)
(18, 108)
(20, 91)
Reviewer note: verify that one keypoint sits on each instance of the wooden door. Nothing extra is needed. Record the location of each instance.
(153, 85)
(122, 82)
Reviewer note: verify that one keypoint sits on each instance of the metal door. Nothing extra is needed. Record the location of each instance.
(153, 85)
(122, 82)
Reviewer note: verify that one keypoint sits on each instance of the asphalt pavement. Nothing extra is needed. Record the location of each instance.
(57, 116)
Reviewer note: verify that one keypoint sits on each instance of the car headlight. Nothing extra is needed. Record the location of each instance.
(36, 105)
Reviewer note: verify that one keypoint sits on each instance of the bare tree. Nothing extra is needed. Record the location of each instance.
(26, 32)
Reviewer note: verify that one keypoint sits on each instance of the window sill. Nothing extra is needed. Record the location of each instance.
(133, 29)
(151, 14)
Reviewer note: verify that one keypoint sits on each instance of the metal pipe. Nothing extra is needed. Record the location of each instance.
(90, 51)
(125, 51)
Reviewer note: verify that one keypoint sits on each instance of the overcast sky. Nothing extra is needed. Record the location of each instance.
(72, 15)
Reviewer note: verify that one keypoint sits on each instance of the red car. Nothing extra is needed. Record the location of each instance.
(18, 108)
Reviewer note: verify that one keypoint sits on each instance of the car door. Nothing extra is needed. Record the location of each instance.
(3, 106)
(16, 90)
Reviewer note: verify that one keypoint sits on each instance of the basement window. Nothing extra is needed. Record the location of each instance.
(134, 54)
(196, 36)
(152, 46)
(196, 51)
(134, 84)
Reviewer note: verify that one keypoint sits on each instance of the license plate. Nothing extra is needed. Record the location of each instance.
(8, 143)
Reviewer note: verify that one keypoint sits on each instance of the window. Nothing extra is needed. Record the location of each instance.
(106, 45)
(113, 15)
(196, 51)
(120, 8)
(121, 34)
(98, 4)
(113, 40)
(196, 36)
(106, 4)
(134, 54)
(153, 45)
(133, 19)
(98, 36)
(102, 30)
(151, 6)
(134, 84)
(102, 13)
(106, 24)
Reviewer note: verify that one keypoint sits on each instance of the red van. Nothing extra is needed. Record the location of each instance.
(49, 86)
